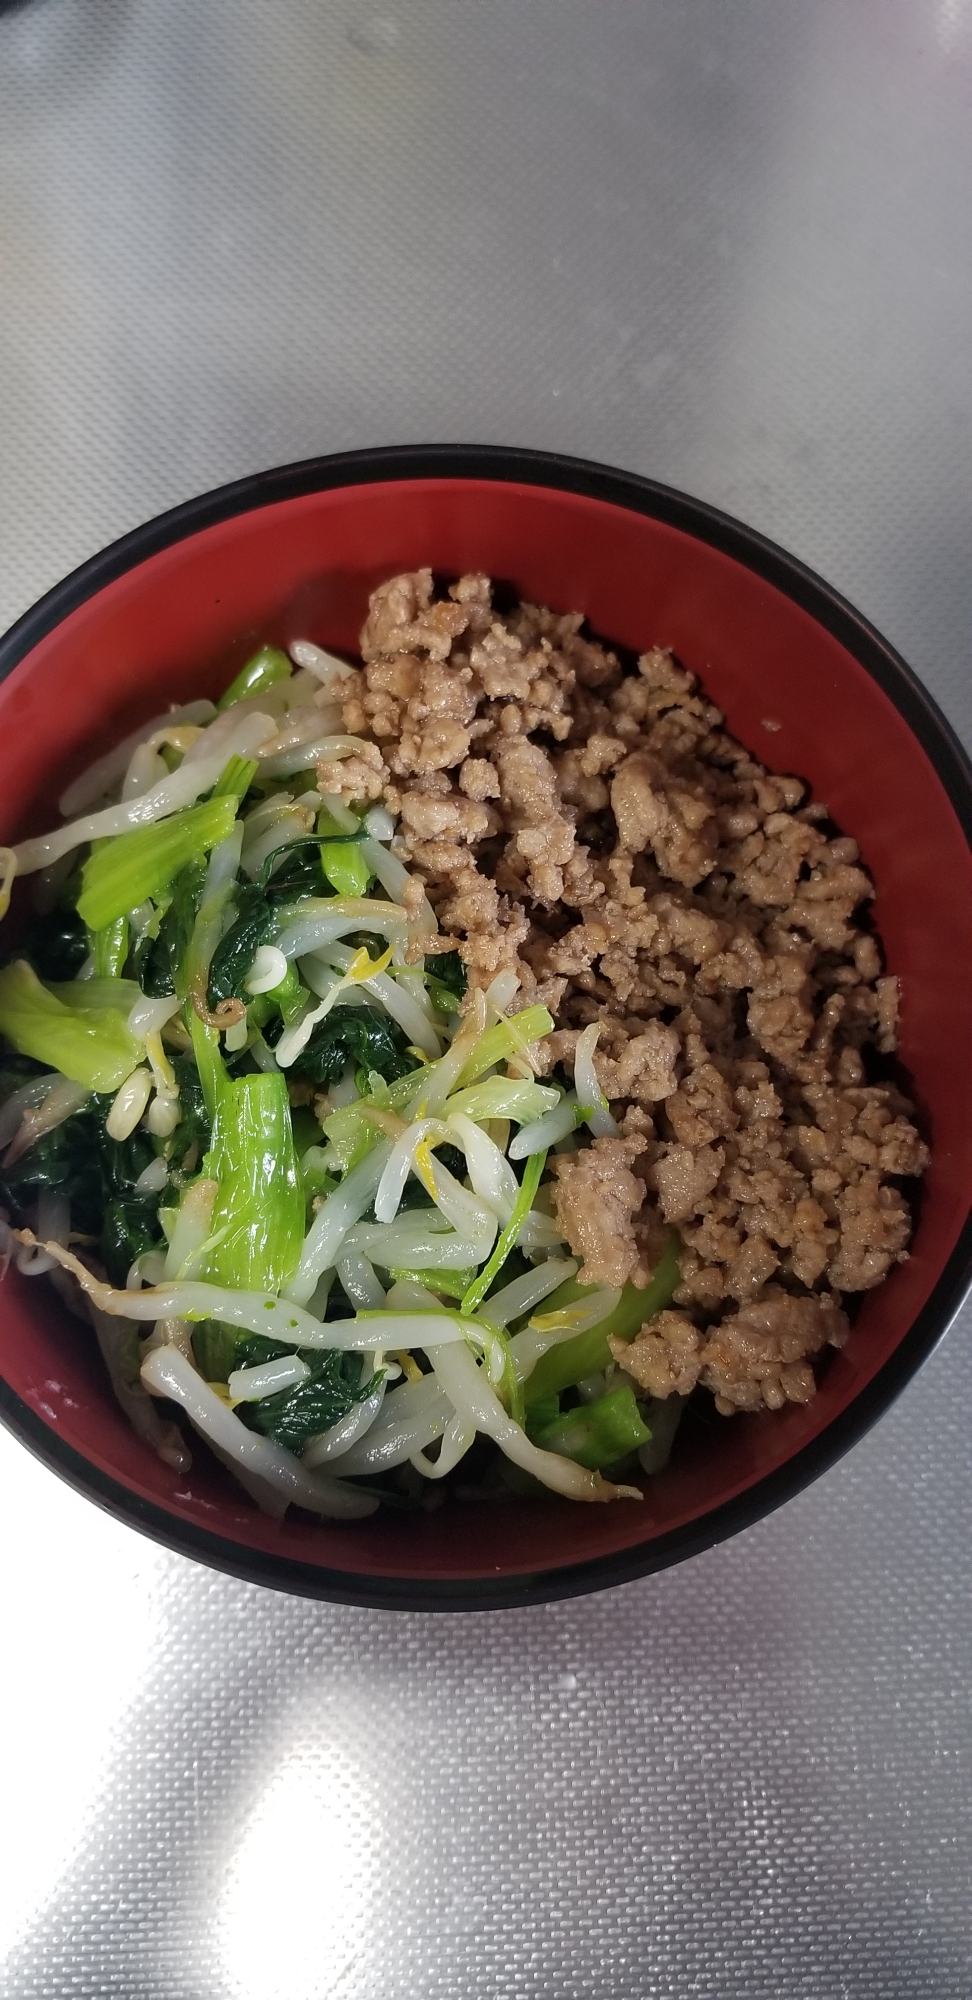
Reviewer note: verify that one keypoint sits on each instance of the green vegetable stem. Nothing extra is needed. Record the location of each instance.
(264, 670)
(595, 1434)
(588, 1353)
(128, 870)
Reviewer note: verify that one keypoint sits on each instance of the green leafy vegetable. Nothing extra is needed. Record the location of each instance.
(446, 982)
(235, 781)
(92, 1047)
(160, 953)
(292, 1416)
(348, 1130)
(289, 996)
(345, 867)
(252, 926)
(135, 866)
(595, 1434)
(97, 1175)
(264, 670)
(359, 1035)
(109, 949)
(257, 1227)
(57, 945)
(589, 1352)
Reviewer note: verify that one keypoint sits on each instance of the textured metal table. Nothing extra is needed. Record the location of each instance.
(726, 245)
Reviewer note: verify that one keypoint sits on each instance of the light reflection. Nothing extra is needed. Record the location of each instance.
(73, 1661)
(298, 1896)
(953, 26)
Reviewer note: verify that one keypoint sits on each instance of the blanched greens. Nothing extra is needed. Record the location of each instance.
(264, 1122)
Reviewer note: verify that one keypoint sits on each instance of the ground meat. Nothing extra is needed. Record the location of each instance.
(597, 1199)
(597, 830)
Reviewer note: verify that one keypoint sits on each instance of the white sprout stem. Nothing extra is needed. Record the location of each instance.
(523, 1294)
(286, 828)
(401, 1160)
(166, 1372)
(232, 733)
(544, 1131)
(422, 1242)
(8, 870)
(491, 1175)
(503, 989)
(360, 973)
(320, 749)
(152, 1178)
(590, 1096)
(268, 969)
(539, 1232)
(149, 1017)
(301, 727)
(457, 1438)
(379, 824)
(139, 1407)
(250, 1385)
(435, 1083)
(477, 1404)
(325, 667)
(551, 1331)
(336, 1215)
(395, 880)
(182, 788)
(37, 1107)
(341, 814)
(349, 1428)
(359, 1280)
(108, 771)
(410, 1417)
(191, 1228)
(397, 1002)
(317, 921)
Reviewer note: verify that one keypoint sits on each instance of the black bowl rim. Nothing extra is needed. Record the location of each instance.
(755, 552)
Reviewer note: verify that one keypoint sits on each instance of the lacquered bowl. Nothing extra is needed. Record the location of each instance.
(173, 609)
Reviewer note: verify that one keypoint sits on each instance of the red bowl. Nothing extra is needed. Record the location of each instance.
(173, 609)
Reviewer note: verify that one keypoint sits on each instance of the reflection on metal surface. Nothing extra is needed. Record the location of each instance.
(68, 1680)
(728, 246)
(299, 1887)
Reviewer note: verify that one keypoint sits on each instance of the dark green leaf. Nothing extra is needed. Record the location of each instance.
(445, 978)
(359, 1035)
(251, 927)
(294, 1415)
(56, 945)
(156, 959)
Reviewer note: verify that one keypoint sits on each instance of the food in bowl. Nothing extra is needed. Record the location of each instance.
(573, 1096)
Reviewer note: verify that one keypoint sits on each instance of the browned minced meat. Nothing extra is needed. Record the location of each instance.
(599, 830)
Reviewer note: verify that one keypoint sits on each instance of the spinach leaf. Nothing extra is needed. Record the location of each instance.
(294, 1415)
(299, 874)
(157, 957)
(446, 982)
(251, 927)
(98, 1176)
(354, 1034)
(55, 945)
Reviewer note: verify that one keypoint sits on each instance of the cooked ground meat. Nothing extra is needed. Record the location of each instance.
(601, 832)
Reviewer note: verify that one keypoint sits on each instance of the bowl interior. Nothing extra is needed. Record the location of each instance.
(180, 622)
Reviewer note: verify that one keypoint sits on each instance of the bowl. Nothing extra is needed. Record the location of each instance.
(174, 608)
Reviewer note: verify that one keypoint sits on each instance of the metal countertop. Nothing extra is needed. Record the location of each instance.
(727, 246)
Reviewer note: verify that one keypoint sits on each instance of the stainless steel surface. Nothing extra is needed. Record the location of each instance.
(727, 246)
